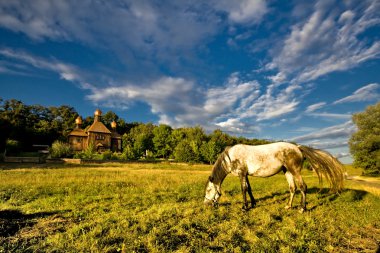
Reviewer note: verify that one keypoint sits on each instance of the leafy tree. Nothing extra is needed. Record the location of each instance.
(108, 117)
(162, 141)
(365, 143)
(139, 140)
(210, 151)
(63, 119)
(183, 152)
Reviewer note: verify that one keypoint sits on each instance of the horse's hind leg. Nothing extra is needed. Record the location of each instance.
(292, 188)
(303, 188)
(253, 201)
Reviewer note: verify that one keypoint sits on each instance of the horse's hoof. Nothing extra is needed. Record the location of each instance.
(302, 210)
(245, 208)
(288, 207)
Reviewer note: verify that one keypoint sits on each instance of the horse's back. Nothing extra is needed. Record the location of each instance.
(265, 160)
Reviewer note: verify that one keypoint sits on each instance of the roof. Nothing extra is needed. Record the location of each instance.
(78, 132)
(98, 127)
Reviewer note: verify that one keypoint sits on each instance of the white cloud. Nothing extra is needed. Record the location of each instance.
(329, 144)
(178, 101)
(342, 155)
(275, 102)
(243, 11)
(314, 107)
(327, 41)
(338, 131)
(131, 29)
(325, 115)
(235, 126)
(65, 71)
(369, 92)
(220, 100)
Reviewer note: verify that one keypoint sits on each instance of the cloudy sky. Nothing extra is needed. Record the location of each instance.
(280, 70)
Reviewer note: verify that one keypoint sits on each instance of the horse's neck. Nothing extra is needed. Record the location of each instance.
(219, 174)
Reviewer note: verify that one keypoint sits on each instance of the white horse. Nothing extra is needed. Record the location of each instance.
(268, 160)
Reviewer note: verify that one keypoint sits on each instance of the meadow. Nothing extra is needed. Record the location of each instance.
(158, 207)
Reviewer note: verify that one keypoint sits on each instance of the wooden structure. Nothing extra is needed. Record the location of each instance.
(97, 134)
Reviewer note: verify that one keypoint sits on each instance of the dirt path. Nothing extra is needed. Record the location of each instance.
(364, 181)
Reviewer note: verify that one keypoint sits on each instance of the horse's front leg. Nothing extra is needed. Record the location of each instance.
(253, 201)
(244, 188)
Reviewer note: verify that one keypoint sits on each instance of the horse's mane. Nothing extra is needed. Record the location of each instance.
(219, 170)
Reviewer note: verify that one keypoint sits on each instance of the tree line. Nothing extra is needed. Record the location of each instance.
(22, 126)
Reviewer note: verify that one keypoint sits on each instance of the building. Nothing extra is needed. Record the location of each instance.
(97, 134)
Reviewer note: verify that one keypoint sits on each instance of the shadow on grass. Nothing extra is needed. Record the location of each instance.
(323, 195)
(12, 221)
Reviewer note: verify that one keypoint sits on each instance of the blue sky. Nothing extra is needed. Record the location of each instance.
(280, 70)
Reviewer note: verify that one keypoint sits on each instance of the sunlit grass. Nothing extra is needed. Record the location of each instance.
(158, 208)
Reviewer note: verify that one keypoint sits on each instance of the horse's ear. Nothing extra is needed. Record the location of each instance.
(211, 178)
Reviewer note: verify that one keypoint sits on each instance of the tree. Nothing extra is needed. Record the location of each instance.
(161, 141)
(139, 140)
(183, 152)
(365, 143)
(217, 143)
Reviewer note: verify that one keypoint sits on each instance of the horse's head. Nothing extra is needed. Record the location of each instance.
(212, 192)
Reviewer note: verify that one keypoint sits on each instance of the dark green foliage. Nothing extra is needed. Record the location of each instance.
(88, 153)
(12, 147)
(365, 143)
(183, 152)
(162, 141)
(106, 155)
(36, 124)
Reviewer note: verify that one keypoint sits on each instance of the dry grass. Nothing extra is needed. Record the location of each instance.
(158, 208)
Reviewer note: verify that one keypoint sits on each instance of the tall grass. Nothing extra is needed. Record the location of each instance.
(158, 208)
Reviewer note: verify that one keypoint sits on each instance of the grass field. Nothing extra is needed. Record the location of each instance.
(158, 208)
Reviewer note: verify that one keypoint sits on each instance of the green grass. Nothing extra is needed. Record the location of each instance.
(158, 208)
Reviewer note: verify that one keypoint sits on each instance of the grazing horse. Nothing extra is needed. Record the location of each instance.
(267, 160)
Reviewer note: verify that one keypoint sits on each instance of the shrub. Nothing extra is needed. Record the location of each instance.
(106, 155)
(60, 149)
(12, 146)
(130, 153)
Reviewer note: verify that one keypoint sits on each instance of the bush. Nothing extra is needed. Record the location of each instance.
(60, 149)
(89, 153)
(130, 153)
(106, 155)
(12, 146)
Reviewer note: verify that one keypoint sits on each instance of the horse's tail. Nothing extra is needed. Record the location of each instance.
(324, 164)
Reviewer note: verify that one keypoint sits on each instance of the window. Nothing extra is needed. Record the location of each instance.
(99, 137)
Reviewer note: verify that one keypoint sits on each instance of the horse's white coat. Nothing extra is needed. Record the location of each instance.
(268, 160)
(261, 161)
